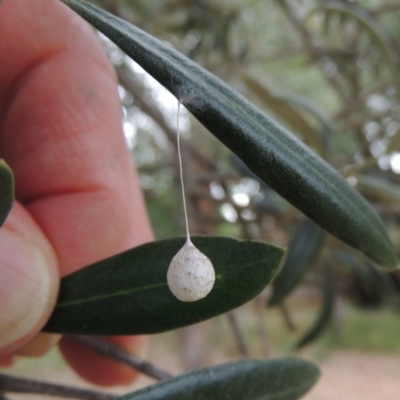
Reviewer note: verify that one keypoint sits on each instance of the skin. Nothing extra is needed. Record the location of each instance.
(77, 193)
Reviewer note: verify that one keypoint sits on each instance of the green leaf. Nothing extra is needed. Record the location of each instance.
(325, 315)
(285, 379)
(128, 293)
(6, 191)
(301, 256)
(270, 151)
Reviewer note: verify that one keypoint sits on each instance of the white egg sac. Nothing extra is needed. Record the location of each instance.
(191, 275)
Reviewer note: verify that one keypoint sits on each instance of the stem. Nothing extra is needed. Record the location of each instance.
(181, 174)
(114, 351)
(22, 385)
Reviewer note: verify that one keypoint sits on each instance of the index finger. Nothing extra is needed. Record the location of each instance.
(61, 134)
(60, 131)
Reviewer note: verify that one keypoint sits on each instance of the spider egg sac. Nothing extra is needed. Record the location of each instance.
(190, 275)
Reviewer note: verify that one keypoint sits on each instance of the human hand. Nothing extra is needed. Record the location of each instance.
(78, 198)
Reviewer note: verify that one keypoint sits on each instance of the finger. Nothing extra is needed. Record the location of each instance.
(72, 169)
(28, 279)
(73, 172)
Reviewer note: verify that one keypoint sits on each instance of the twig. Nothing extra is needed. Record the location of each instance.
(22, 385)
(114, 351)
(241, 343)
(287, 318)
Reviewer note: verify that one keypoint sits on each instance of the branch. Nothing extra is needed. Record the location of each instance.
(22, 385)
(114, 351)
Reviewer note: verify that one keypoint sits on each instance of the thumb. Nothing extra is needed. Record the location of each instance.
(28, 280)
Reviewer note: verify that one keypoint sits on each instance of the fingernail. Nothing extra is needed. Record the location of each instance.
(26, 294)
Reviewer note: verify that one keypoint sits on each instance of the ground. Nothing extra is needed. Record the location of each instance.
(353, 375)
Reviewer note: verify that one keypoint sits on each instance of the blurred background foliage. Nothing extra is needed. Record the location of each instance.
(328, 71)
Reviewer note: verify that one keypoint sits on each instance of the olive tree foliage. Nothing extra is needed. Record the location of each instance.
(296, 143)
(326, 70)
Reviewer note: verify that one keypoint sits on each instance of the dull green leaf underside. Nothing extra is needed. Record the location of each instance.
(6, 191)
(285, 379)
(128, 293)
(271, 152)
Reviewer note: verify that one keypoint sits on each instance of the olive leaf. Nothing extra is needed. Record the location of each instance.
(284, 379)
(269, 150)
(6, 191)
(128, 293)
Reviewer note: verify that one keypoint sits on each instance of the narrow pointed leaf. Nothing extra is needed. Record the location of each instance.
(6, 191)
(301, 256)
(274, 154)
(285, 379)
(324, 316)
(128, 293)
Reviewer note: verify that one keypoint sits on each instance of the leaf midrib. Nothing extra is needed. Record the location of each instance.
(117, 294)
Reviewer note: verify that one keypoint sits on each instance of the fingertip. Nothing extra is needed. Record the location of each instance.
(29, 280)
